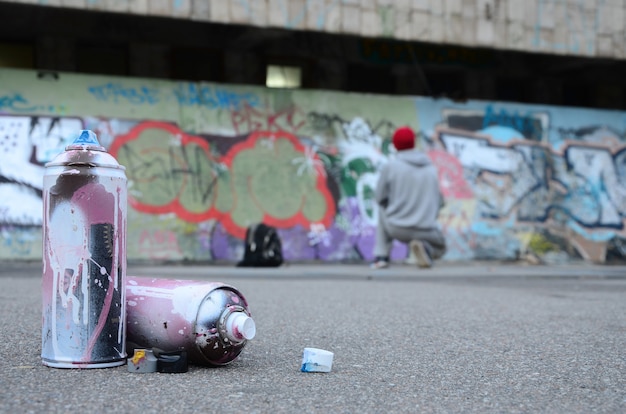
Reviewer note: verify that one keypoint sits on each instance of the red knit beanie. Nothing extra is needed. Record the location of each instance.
(404, 138)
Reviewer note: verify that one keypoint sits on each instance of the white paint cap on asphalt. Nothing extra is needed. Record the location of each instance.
(316, 360)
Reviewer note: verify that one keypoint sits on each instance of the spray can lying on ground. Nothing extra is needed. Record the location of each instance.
(209, 320)
(84, 258)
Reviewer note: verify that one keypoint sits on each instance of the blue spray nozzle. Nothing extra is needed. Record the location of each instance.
(86, 140)
(86, 137)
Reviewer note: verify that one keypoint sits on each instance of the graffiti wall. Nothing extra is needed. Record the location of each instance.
(206, 160)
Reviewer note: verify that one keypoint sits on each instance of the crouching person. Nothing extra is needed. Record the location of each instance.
(409, 201)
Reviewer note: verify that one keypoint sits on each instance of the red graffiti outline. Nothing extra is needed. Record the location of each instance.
(212, 213)
(173, 206)
(296, 219)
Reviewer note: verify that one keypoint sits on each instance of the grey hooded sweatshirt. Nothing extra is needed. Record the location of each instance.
(408, 190)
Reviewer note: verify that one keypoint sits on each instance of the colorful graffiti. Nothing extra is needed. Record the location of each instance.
(267, 177)
(204, 161)
(578, 186)
(527, 169)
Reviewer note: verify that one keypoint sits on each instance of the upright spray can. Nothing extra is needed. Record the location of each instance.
(209, 320)
(84, 258)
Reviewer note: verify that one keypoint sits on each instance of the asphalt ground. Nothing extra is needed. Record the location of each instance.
(463, 338)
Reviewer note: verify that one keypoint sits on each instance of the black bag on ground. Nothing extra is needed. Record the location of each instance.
(263, 247)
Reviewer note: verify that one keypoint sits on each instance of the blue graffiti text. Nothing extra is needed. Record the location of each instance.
(112, 92)
(16, 103)
(190, 94)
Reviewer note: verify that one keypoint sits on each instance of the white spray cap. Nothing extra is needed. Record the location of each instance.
(240, 327)
(316, 360)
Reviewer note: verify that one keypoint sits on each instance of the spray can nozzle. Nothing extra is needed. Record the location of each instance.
(239, 327)
(86, 140)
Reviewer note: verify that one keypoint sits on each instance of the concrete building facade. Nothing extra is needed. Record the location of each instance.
(592, 28)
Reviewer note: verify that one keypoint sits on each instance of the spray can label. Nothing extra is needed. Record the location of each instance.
(84, 258)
